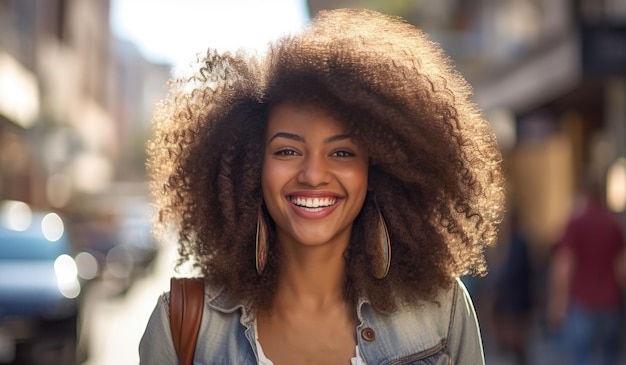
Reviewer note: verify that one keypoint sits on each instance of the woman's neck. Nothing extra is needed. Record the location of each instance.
(311, 276)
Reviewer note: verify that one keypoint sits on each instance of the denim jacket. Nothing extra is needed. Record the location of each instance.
(444, 332)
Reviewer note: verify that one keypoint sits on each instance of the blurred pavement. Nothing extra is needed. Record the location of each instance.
(114, 324)
(545, 347)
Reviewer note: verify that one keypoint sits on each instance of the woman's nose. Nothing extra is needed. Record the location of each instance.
(314, 171)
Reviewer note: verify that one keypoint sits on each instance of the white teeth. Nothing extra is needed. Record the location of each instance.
(313, 202)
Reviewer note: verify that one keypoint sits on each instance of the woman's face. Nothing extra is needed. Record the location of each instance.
(314, 176)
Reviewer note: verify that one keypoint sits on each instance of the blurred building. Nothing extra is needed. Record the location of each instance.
(75, 103)
(551, 78)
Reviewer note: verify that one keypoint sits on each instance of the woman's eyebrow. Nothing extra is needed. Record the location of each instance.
(338, 137)
(295, 137)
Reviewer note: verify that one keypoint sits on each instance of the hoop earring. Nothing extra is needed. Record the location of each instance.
(261, 243)
(382, 261)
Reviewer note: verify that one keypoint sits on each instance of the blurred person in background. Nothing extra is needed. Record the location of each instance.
(587, 277)
(330, 193)
(513, 295)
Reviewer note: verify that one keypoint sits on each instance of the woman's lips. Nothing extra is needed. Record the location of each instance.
(313, 206)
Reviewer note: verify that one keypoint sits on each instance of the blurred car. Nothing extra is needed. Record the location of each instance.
(39, 288)
(118, 235)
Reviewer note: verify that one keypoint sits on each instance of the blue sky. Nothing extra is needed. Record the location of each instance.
(174, 31)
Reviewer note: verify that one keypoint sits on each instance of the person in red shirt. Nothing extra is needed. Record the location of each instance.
(586, 296)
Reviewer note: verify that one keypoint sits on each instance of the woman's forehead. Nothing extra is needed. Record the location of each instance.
(306, 107)
(289, 113)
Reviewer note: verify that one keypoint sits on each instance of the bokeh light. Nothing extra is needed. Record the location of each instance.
(52, 227)
(15, 215)
(87, 265)
(616, 186)
(66, 271)
(59, 190)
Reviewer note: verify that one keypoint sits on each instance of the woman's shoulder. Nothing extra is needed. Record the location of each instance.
(443, 304)
(431, 316)
(426, 328)
(221, 334)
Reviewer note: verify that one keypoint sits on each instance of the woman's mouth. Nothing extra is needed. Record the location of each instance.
(312, 204)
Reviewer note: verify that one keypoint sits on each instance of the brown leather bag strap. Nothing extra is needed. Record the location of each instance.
(186, 304)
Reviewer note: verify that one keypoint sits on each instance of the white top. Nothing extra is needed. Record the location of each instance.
(263, 360)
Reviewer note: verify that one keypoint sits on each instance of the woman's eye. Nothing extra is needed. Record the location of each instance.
(342, 154)
(285, 152)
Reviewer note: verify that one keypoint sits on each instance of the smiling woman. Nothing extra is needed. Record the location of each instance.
(331, 191)
(314, 178)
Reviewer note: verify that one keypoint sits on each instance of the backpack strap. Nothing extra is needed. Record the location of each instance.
(186, 304)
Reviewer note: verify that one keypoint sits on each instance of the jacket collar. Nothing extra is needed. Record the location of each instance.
(217, 299)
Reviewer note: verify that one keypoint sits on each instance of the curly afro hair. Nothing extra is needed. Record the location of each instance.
(435, 167)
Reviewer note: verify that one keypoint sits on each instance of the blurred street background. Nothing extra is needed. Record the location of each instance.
(79, 80)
